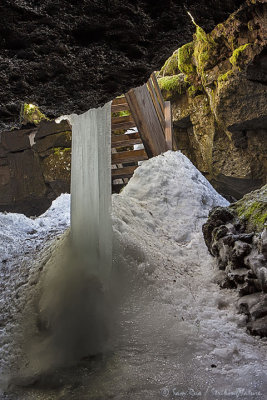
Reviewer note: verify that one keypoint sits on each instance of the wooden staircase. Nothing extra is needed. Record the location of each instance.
(146, 120)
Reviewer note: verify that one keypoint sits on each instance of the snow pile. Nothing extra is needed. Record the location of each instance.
(157, 221)
(19, 234)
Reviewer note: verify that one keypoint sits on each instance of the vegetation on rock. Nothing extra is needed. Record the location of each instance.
(31, 114)
(204, 50)
(236, 56)
(252, 209)
(172, 86)
(171, 66)
(185, 60)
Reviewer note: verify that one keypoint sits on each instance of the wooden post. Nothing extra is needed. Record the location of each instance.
(168, 124)
(147, 121)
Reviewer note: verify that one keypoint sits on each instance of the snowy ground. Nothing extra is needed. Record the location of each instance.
(178, 335)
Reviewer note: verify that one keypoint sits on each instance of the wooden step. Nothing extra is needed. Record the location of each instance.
(120, 107)
(125, 140)
(119, 120)
(128, 156)
(119, 100)
(126, 172)
(122, 125)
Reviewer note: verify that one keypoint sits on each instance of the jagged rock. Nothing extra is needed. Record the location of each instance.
(70, 56)
(237, 237)
(258, 327)
(35, 167)
(47, 128)
(61, 139)
(224, 102)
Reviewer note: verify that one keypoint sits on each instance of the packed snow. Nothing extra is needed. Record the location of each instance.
(178, 335)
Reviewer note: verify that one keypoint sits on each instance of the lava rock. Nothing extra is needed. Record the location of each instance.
(241, 253)
(71, 56)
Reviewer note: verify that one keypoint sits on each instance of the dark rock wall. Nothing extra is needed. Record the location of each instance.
(34, 167)
(237, 237)
(69, 56)
(220, 108)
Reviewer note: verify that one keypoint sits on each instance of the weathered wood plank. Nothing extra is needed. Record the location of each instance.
(156, 103)
(158, 91)
(146, 120)
(125, 140)
(122, 125)
(119, 107)
(118, 120)
(168, 125)
(128, 156)
(119, 100)
(126, 172)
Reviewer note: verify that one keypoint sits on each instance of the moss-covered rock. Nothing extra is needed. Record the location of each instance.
(252, 210)
(171, 66)
(237, 237)
(185, 61)
(238, 56)
(31, 114)
(172, 86)
(225, 136)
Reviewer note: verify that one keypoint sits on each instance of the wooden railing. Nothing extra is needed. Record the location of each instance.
(151, 117)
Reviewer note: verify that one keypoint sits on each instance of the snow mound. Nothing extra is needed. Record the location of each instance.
(157, 222)
(19, 233)
(173, 189)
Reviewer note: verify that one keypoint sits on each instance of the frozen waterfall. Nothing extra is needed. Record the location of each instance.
(91, 230)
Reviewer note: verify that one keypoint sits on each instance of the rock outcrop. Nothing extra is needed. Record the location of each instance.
(34, 167)
(68, 56)
(237, 237)
(217, 84)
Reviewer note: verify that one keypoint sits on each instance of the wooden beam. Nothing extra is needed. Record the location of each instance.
(122, 126)
(128, 156)
(156, 103)
(126, 172)
(119, 107)
(118, 120)
(158, 91)
(168, 125)
(146, 119)
(125, 140)
(119, 100)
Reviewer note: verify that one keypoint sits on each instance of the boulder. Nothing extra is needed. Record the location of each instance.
(34, 167)
(237, 237)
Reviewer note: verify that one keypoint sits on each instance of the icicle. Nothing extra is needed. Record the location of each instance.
(91, 229)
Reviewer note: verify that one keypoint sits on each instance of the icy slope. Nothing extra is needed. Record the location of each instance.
(175, 321)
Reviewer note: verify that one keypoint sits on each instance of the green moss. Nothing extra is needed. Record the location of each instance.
(60, 151)
(194, 90)
(252, 209)
(171, 66)
(226, 76)
(235, 58)
(172, 86)
(255, 214)
(204, 50)
(185, 60)
(31, 114)
(124, 113)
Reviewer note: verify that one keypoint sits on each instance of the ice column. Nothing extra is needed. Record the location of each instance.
(91, 229)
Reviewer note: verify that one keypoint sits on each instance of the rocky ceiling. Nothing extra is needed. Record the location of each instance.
(69, 56)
